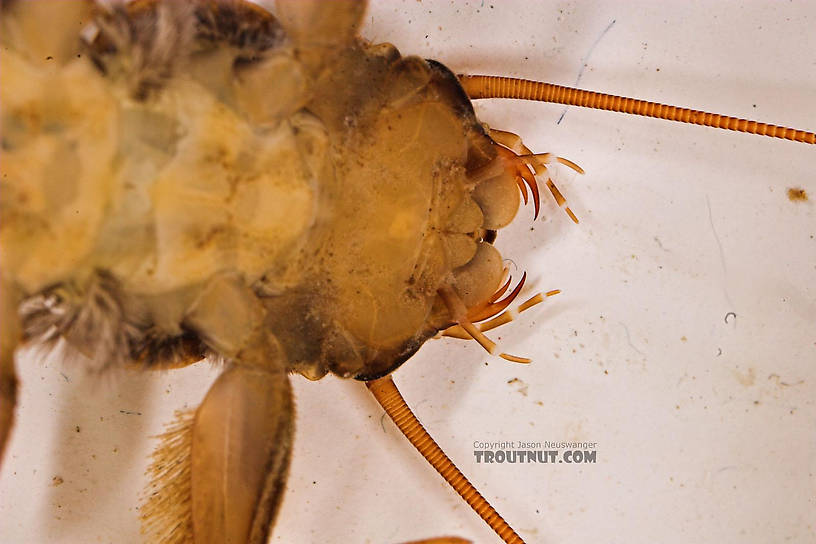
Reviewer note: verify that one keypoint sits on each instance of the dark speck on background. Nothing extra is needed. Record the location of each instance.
(797, 194)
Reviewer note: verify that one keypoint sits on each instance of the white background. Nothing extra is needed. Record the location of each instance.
(706, 430)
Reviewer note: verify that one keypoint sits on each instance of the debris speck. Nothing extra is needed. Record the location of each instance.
(747, 379)
(781, 383)
(797, 194)
(522, 387)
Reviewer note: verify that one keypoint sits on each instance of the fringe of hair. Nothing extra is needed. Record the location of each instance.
(91, 320)
(167, 506)
(98, 327)
(144, 46)
(147, 44)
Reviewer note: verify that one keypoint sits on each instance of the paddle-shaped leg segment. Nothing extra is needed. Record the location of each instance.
(241, 445)
(219, 476)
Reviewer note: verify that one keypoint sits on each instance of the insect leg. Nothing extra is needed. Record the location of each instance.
(241, 446)
(9, 339)
(220, 475)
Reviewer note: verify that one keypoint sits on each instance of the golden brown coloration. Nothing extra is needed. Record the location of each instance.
(331, 225)
(560, 281)
(797, 194)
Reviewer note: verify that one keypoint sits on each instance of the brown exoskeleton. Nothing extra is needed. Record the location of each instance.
(560, 285)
